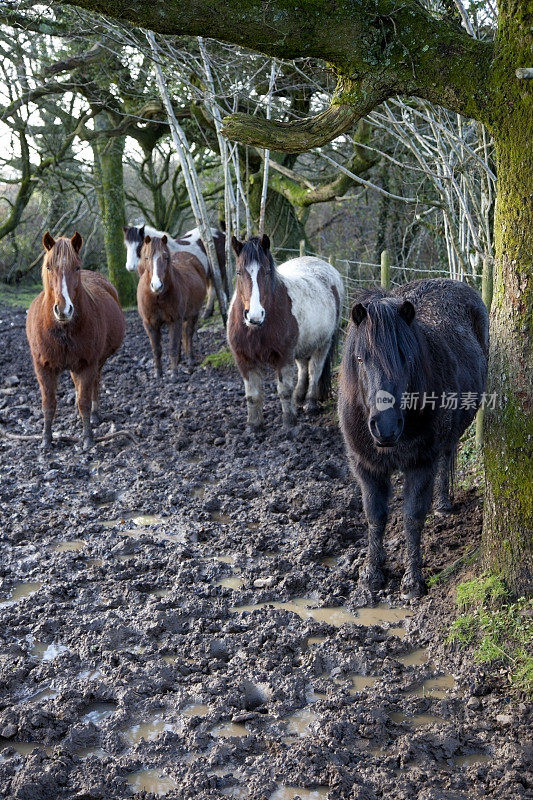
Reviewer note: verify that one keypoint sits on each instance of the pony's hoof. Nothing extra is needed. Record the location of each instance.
(412, 587)
(95, 419)
(289, 420)
(443, 510)
(88, 443)
(255, 428)
(311, 407)
(371, 579)
(46, 445)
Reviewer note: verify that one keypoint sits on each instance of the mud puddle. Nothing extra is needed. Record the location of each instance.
(20, 592)
(151, 780)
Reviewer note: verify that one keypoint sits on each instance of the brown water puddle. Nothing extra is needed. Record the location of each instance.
(361, 682)
(434, 687)
(149, 731)
(24, 748)
(89, 674)
(195, 710)
(72, 546)
(337, 615)
(416, 720)
(91, 752)
(300, 722)
(47, 652)
(47, 693)
(234, 582)
(472, 759)
(223, 519)
(97, 712)
(330, 561)
(151, 780)
(227, 730)
(316, 640)
(290, 792)
(19, 592)
(415, 658)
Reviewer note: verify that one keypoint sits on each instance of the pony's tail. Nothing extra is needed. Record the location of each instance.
(324, 382)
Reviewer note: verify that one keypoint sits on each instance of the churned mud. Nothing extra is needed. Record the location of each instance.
(178, 617)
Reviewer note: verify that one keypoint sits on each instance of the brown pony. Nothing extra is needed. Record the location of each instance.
(75, 323)
(170, 292)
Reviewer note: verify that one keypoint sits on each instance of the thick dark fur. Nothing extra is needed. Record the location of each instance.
(443, 349)
(82, 344)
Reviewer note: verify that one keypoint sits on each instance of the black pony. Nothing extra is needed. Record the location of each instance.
(413, 373)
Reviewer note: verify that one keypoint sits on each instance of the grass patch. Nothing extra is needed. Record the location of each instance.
(500, 631)
(19, 296)
(467, 558)
(219, 360)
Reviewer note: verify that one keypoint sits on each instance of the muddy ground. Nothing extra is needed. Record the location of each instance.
(125, 663)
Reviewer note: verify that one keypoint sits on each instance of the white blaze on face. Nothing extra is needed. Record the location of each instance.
(256, 312)
(69, 308)
(155, 283)
(132, 258)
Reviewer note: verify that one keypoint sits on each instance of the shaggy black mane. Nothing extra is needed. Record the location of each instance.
(385, 337)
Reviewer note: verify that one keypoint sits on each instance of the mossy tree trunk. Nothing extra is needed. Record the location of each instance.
(109, 174)
(508, 433)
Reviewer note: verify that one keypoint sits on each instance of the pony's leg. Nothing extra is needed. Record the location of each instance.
(48, 385)
(154, 334)
(285, 378)
(442, 499)
(417, 496)
(375, 490)
(303, 381)
(253, 389)
(84, 391)
(191, 327)
(176, 330)
(210, 302)
(316, 365)
(95, 400)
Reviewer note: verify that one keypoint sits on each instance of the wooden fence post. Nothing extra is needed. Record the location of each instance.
(385, 270)
(302, 247)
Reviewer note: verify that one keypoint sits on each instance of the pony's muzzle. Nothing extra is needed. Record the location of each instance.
(157, 289)
(386, 428)
(63, 316)
(256, 321)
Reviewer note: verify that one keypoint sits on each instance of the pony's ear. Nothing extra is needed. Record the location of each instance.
(237, 246)
(125, 229)
(147, 239)
(76, 242)
(48, 241)
(265, 242)
(141, 233)
(407, 311)
(164, 239)
(358, 313)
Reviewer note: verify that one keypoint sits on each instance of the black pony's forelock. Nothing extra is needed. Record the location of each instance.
(252, 251)
(390, 341)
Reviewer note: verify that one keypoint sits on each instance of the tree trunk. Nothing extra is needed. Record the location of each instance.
(110, 192)
(508, 435)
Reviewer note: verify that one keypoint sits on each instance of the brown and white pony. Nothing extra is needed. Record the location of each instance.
(75, 323)
(189, 242)
(279, 316)
(170, 292)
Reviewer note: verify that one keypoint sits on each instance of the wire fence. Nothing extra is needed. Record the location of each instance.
(364, 274)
